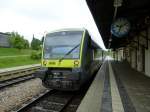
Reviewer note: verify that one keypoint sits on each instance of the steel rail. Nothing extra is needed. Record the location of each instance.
(8, 78)
(67, 104)
(32, 102)
(15, 81)
(8, 75)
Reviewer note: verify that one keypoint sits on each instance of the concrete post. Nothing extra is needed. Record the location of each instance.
(147, 56)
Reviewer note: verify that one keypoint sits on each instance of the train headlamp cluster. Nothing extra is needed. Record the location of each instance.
(44, 63)
(76, 63)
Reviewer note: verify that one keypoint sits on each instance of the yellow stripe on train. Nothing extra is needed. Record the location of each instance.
(63, 63)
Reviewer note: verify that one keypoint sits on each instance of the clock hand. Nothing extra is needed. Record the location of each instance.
(117, 25)
(124, 24)
(120, 28)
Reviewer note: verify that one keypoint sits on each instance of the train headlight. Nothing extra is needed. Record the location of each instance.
(76, 63)
(76, 70)
(44, 63)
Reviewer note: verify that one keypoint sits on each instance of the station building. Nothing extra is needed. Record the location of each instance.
(4, 40)
(123, 84)
(135, 45)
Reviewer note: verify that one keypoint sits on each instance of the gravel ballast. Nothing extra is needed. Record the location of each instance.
(18, 94)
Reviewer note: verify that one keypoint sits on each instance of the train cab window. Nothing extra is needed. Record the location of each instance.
(56, 45)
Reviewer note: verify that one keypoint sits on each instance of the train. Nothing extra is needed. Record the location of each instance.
(68, 59)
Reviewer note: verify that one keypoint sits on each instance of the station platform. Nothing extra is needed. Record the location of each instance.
(117, 88)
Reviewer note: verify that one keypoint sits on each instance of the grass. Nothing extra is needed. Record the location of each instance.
(19, 61)
(6, 62)
(14, 51)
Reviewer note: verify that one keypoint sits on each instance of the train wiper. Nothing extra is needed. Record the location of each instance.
(70, 51)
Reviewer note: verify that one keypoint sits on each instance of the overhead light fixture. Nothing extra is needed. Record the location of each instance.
(118, 3)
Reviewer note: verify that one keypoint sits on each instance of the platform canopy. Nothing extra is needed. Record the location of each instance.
(103, 11)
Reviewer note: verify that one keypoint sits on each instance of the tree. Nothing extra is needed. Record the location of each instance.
(26, 44)
(18, 41)
(42, 40)
(35, 43)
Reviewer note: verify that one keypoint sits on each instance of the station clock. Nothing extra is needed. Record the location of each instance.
(120, 27)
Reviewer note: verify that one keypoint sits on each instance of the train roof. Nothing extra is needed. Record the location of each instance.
(95, 45)
(68, 29)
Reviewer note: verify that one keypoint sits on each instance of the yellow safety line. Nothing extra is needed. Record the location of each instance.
(117, 105)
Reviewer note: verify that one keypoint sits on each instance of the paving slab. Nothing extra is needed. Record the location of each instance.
(93, 98)
(136, 84)
(103, 94)
(117, 105)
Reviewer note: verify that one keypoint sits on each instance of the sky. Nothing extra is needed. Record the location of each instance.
(38, 17)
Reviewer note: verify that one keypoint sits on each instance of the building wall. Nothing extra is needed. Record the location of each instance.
(139, 58)
(137, 53)
(4, 40)
(120, 54)
(140, 61)
(127, 54)
(134, 58)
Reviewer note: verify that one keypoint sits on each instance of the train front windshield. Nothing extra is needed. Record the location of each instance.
(64, 45)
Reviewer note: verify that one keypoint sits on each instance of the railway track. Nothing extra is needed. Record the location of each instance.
(9, 78)
(54, 101)
(50, 101)
(15, 81)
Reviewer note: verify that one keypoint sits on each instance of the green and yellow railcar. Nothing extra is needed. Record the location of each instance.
(67, 59)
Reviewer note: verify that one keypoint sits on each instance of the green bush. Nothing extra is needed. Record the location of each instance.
(35, 55)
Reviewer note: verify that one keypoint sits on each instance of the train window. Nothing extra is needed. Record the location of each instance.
(56, 45)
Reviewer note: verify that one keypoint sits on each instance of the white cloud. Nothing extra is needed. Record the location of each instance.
(30, 17)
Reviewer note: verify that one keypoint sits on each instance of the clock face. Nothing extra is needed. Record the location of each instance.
(120, 27)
